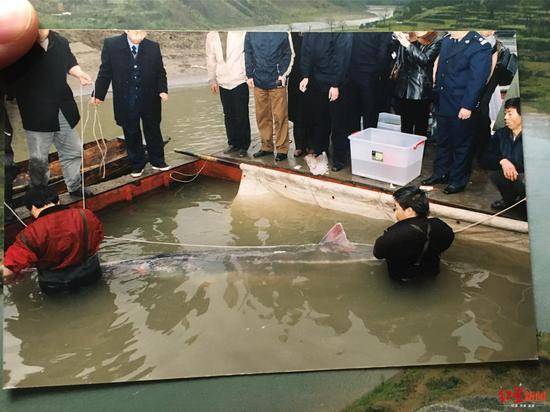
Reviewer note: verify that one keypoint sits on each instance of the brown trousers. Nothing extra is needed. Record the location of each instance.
(272, 118)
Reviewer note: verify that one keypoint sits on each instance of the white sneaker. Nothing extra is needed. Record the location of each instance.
(161, 168)
(137, 174)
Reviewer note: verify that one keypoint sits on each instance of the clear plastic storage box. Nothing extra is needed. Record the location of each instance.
(386, 155)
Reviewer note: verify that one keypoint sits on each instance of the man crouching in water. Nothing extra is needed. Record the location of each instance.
(62, 243)
(412, 246)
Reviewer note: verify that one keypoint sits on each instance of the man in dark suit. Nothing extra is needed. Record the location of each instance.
(463, 67)
(325, 62)
(134, 65)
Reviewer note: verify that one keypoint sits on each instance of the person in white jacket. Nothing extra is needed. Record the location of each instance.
(226, 74)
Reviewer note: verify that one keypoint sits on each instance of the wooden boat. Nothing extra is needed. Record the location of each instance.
(116, 159)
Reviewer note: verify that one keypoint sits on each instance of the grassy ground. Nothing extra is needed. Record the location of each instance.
(414, 388)
(530, 18)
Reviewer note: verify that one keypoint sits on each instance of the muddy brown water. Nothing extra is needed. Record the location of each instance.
(219, 317)
(192, 118)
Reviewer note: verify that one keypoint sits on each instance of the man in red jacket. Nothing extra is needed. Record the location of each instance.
(62, 243)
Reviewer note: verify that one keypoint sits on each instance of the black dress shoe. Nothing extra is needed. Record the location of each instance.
(78, 193)
(262, 153)
(451, 189)
(243, 153)
(499, 205)
(336, 167)
(434, 180)
(280, 157)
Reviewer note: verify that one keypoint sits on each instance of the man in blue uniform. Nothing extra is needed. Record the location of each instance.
(463, 68)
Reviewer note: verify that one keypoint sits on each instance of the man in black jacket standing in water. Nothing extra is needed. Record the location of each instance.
(412, 246)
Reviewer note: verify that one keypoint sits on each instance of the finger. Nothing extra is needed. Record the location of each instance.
(19, 28)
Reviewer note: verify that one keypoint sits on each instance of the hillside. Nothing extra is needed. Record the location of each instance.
(190, 14)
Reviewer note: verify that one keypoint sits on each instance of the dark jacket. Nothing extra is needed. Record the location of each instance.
(415, 79)
(268, 55)
(488, 90)
(503, 146)
(116, 61)
(462, 72)
(54, 240)
(403, 243)
(370, 57)
(296, 99)
(41, 87)
(326, 56)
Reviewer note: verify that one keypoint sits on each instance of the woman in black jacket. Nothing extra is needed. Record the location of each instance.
(415, 61)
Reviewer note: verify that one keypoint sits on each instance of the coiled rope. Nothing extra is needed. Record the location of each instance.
(102, 150)
(193, 176)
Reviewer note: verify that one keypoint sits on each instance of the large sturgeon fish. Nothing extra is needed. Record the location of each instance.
(334, 248)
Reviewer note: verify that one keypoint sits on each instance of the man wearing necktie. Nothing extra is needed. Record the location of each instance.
(134, 66)
(463, 67)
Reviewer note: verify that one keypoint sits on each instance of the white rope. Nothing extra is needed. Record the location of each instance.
(105, 149)
(82, 149)
(102, 150)
(187, 175)
(15, 214)
(490, 217)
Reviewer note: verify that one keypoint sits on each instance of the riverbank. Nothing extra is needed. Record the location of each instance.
(470, 387)
(191, 15)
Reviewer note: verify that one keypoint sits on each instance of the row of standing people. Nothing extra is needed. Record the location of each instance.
(325, 73)
(338, 83)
